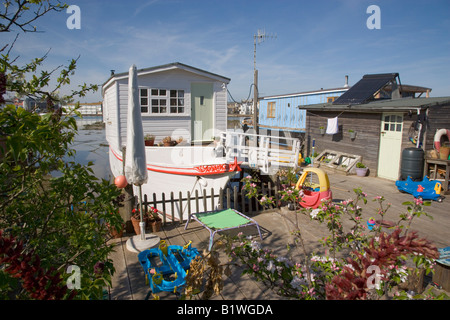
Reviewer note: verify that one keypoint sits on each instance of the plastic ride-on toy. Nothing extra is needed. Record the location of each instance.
(315, 185)
(424, 190)
(166, 267)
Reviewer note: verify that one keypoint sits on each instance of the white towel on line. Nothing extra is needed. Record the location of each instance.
(332, 127)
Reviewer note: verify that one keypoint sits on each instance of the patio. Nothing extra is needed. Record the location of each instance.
(129, 281)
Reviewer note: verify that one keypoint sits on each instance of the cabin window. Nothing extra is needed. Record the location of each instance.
(176, 101)
(143, 96)
(161, 101)
(270, 109)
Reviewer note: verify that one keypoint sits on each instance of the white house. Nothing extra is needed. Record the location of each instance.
(176, 100)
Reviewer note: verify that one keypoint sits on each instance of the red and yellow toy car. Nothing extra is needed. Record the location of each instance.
(315, 185)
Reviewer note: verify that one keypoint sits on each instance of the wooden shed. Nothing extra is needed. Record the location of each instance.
(176, 100)
(384, 125)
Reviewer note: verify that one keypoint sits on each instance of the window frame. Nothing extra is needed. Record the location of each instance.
(271, 107)
(159, 101)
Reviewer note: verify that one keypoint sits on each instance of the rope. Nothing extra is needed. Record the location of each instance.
(316, 115)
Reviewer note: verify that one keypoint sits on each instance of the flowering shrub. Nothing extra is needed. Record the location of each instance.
(373, 266)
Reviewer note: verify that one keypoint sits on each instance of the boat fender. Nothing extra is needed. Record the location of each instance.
(438, 136)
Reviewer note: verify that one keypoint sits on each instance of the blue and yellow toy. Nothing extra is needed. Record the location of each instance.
(426, 189)
(166, 267)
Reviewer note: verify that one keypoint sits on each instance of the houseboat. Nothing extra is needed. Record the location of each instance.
(188, 105)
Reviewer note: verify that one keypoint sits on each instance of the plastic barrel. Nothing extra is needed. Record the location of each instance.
(412, 164)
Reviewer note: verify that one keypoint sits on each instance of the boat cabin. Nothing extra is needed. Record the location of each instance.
(176, 100)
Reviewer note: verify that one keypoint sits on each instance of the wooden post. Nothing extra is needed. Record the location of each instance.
(236, 203)
(221, 199)
(181, 206)
(172, 207)
(196, 201)
(255, 104)
(163, 197)
(189, 205)
(205, 205)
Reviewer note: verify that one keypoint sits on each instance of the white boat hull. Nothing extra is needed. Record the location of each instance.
(180, 170)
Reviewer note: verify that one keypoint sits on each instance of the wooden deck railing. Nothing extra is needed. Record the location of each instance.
(177, 207)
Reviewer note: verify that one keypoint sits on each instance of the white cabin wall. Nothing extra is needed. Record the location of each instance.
(173, 125)
(220, 112)
(110, 113)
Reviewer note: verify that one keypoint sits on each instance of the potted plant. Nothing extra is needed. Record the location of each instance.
(135, 220)
(322, 130)
(167, 141)
(115, 228)
(361, 169)
(154, 219)
(352, 134)
(149, 140)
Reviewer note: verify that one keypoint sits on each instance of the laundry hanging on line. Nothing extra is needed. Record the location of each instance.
(332, 127)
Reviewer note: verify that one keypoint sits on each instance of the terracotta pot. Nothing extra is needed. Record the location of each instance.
(135, 222)
(149, 143)
(156, 225)
(116, 234)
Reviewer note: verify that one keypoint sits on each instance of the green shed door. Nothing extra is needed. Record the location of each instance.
(202, 104)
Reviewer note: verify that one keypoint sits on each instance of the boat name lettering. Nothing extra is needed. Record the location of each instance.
(214, 168)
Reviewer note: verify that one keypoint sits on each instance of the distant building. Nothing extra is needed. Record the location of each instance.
(283, 113)
(95, 108)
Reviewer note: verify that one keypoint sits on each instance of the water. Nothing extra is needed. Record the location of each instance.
(91, 145)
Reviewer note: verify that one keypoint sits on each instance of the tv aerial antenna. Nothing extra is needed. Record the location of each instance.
(259, 38)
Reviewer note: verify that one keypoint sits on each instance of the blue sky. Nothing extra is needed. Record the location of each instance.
(317, 42)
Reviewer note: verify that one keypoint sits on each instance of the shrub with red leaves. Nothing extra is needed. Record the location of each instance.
(351, 283)
(40, 284)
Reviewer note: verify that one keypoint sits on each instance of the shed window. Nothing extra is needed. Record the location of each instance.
(271, 109)
(393, 123)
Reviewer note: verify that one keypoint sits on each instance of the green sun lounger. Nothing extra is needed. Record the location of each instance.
(216, 221)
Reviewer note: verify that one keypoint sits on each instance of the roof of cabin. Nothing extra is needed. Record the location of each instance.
(287, 95)
(166, 67)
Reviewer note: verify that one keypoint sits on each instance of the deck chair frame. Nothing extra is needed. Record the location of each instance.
(213, 230)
